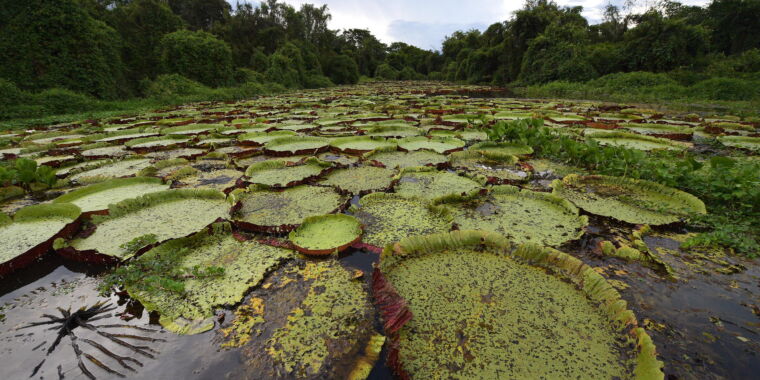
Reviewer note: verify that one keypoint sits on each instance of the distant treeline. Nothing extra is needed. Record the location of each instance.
(118, 49)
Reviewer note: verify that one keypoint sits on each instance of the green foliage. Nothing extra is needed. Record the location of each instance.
(342, 69)
(386, 72)
(169, 85)
(46, 44)
(728, 187)
(726, 89)
(160, 272)
(196, 55)
(58, 100)
(25, 172)
(10, 95)
(131, 247)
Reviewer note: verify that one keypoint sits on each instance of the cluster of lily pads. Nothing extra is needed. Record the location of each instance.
(470, 281)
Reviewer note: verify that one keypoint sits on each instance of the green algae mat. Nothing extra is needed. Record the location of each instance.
(190, 310)
(281, 211)
(629, 200)
(165, 215)
(510, 319)
(523, 216)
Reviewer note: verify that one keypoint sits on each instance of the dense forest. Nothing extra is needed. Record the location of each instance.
(72, 55)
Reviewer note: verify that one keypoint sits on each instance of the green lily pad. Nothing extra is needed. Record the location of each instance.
(31, 232)
(390, 217)
(190, 311)
(392, 131)
(167, 215)
(325, 234)
(629, 200)
(435, 185)
(222, 179)
(503, 150)
(308, 320)
(361, 180)
(295, 145)
(97, 197)
(261, 138)
(282, 211)
(467, 305)
(635, 141)
(361, 144)
(401, 160)
(744, 142)
(523, 216)
(108, 170)
(437, 144)
(281, 173)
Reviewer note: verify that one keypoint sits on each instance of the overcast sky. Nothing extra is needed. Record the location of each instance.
(425, 23)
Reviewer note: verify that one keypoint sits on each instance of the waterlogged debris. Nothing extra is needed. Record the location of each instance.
(523, 216)
(470, 304)
(95, 198)
(326, 234)
(309, 320)
(361, 180)
(166, 214)
(391, 217)
(198, 273)
(431, 184)
(31, 232)
(629, 200)
(282, 173)
(281, 211)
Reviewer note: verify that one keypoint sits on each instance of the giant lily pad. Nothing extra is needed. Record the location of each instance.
(502, 150)
(281, 173)
(31, 232)
(295, 145)
(308, 320)
(361, 144)
(392, 131)
(163, 215)
(96, 198)
(390, 217)
(151, 144)
(467, 305)
(261, 138)
(400, 160)
(282, 211)
(361, 180)
(190, 311)
(437, 144)
(108, 170)
(634, 141)
(325, 234)
(744, 142)
(523, 216)
(630, 200)
(434, 185)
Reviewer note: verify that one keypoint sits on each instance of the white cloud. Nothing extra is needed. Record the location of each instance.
(425, 23)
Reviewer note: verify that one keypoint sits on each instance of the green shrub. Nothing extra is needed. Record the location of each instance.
(10, 95)
(625, 82)
(196, 55)
(726, 89)
(173, 85)
(407, 74)
(386, 72)
(317, 81)
(243, 75)
(58, 100)
(342, 69)
(283, 70)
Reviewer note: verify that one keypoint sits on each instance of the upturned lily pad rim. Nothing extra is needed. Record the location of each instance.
(31, 214)
(338, 144)
(456, 143)
(696, 204)
(271, 146)
(103, 186)
(351, 223)
(284, 163)
(590, 282)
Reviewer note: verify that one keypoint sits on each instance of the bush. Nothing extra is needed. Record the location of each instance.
(173, 85)
(342, 69)
(407, 74)
(626, 82)
(283, 70)
(10, 95)
(726, 89)
(197, 55)
(386, 72)
(317, 81)
(243, 76)
(58, 100)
